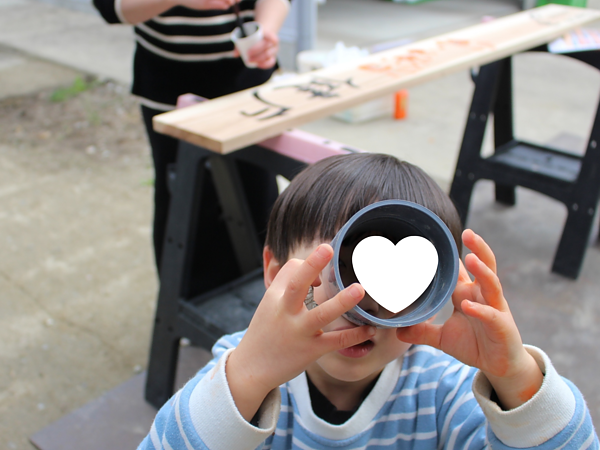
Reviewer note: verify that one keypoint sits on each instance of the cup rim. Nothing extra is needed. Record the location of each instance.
(359, 316)
(234, 34)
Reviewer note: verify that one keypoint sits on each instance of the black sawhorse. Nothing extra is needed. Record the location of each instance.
(204, 301)
(570, 179)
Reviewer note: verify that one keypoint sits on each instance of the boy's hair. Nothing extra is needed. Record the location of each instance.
(325, 195)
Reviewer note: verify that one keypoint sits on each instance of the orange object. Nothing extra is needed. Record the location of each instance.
(401, 104)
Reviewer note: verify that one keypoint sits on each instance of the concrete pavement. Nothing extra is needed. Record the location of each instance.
(74, 39)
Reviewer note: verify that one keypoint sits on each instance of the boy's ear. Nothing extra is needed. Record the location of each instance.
(270, 266)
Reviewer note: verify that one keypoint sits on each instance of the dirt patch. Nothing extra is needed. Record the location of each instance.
(100, 126)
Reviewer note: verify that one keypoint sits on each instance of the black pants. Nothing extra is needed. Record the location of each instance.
(213, 263)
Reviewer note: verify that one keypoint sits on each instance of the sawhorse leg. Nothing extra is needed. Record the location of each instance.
(181, 223)
(581, 207)
(467, 173)
(503, 126)
(200, 174)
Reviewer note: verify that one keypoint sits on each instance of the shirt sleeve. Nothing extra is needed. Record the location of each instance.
(555, 417)
(203, 415)
(460, 422)
(110, 10)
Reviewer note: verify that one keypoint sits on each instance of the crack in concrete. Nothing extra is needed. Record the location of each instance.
(63, 319)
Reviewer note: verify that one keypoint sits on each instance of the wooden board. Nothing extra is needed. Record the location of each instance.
(247, 117)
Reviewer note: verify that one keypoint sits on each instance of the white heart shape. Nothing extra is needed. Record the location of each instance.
(395, 275)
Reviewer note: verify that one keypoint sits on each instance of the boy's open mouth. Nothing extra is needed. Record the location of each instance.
(358, 350)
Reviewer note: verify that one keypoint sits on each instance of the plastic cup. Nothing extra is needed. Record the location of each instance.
(254, 34)
(396, 219)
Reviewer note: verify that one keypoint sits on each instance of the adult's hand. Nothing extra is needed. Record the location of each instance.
(264, 53)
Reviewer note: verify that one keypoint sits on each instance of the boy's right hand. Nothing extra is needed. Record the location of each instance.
(284, 337)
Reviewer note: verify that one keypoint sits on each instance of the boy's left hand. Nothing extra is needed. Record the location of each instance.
(481, 331)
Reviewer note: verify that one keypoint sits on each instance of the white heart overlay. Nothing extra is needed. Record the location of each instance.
(395, 275)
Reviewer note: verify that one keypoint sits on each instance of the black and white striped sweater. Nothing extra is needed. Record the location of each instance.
(185, 50)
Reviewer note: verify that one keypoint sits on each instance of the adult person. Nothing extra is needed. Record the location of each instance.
(184, 46)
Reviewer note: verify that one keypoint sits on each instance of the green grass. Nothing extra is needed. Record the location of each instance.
(580, 3)
(79, 85)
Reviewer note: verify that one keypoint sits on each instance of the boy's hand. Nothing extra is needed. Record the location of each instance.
(284, 337)
(481, 331)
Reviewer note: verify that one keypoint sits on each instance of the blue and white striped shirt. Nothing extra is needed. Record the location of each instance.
(425, 400)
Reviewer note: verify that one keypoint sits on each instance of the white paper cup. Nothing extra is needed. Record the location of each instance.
(254, 34)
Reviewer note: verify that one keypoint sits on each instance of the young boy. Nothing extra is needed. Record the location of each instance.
(309, 379)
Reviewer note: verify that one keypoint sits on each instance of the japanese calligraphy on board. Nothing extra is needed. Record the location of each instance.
(244, 118)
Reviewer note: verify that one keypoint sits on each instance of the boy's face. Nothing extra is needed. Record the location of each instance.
(363, 361)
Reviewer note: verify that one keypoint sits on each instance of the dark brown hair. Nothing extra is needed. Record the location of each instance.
(325, 195)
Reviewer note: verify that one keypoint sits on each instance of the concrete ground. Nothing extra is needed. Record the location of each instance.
(77, 281)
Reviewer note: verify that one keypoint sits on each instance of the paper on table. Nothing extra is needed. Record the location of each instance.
(578, 40)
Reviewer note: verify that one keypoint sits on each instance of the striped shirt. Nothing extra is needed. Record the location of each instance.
(186, 51)
(426, 400)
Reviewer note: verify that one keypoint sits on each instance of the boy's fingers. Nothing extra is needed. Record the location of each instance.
(477, 245)
(463, 284)
(330, 310)
(336, 340)
(282, 278)
(304, 275)
(480, 312)
(463, 275)
(490, 286)
(493, 320)
(424, 333)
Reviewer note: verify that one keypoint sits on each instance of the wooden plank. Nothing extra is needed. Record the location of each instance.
(247, 117)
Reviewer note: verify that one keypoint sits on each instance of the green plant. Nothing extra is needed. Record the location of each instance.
(580, 3)
(79, 85)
